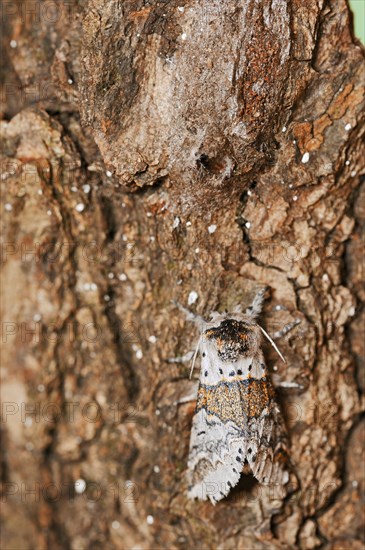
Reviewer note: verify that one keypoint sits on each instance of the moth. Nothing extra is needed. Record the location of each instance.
(237, 421)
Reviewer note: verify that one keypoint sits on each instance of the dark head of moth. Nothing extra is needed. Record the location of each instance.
(233, 339)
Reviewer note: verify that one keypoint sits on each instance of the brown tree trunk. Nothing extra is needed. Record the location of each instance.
(155, 152)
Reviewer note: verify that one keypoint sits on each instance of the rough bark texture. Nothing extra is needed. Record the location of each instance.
(203, 113)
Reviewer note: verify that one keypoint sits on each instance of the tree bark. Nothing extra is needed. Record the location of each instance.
(165, 151)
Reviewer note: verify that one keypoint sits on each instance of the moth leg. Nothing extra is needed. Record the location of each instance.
(190, 316)
(279, 383)
(183, 358)
(287, 328)
(192, 396)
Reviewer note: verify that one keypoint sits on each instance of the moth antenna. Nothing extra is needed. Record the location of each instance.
(194, 358)
(273, 344)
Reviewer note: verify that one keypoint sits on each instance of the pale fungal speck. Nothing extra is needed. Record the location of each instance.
(355, 483)
(188, 224)
(80, 486)
(13, 43)
(347, 163)
(106, 297)
(305, 158)
(284, 129)
(93, 286)
(40, 192)
(184, 36)
(86, 188)
(249, 193)
(248, 225)
(115, 524)
(8, 207)
(152, 238)
(109, 173)
(197, 250)
(179, 282)
(149, 214)
(111, 275)
(352, 311)
(176, 223)
(156, 469)
(80, 207)
(150, 520)
(139, 354)
(74, 189)
(49, 212)
(348, 127)
(40, 387)
(70, 81)
(290, 185)
(353, 173)
(87, 286)
(212, 228)
(295, 198)
(152, 339)
(275, 368)
(157, 412)
(37, 317)
(181, 9)
(193, 296)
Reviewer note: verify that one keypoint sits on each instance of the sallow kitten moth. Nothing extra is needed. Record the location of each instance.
(237, 420)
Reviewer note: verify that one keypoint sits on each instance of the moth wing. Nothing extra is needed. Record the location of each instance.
(267, 454)
(217, 447)
(236, 419)
(213, 466)
(266, 449)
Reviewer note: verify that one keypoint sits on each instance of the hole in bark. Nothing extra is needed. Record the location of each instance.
(203, 161)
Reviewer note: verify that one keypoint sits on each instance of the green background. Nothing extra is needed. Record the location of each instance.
(358, 9)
